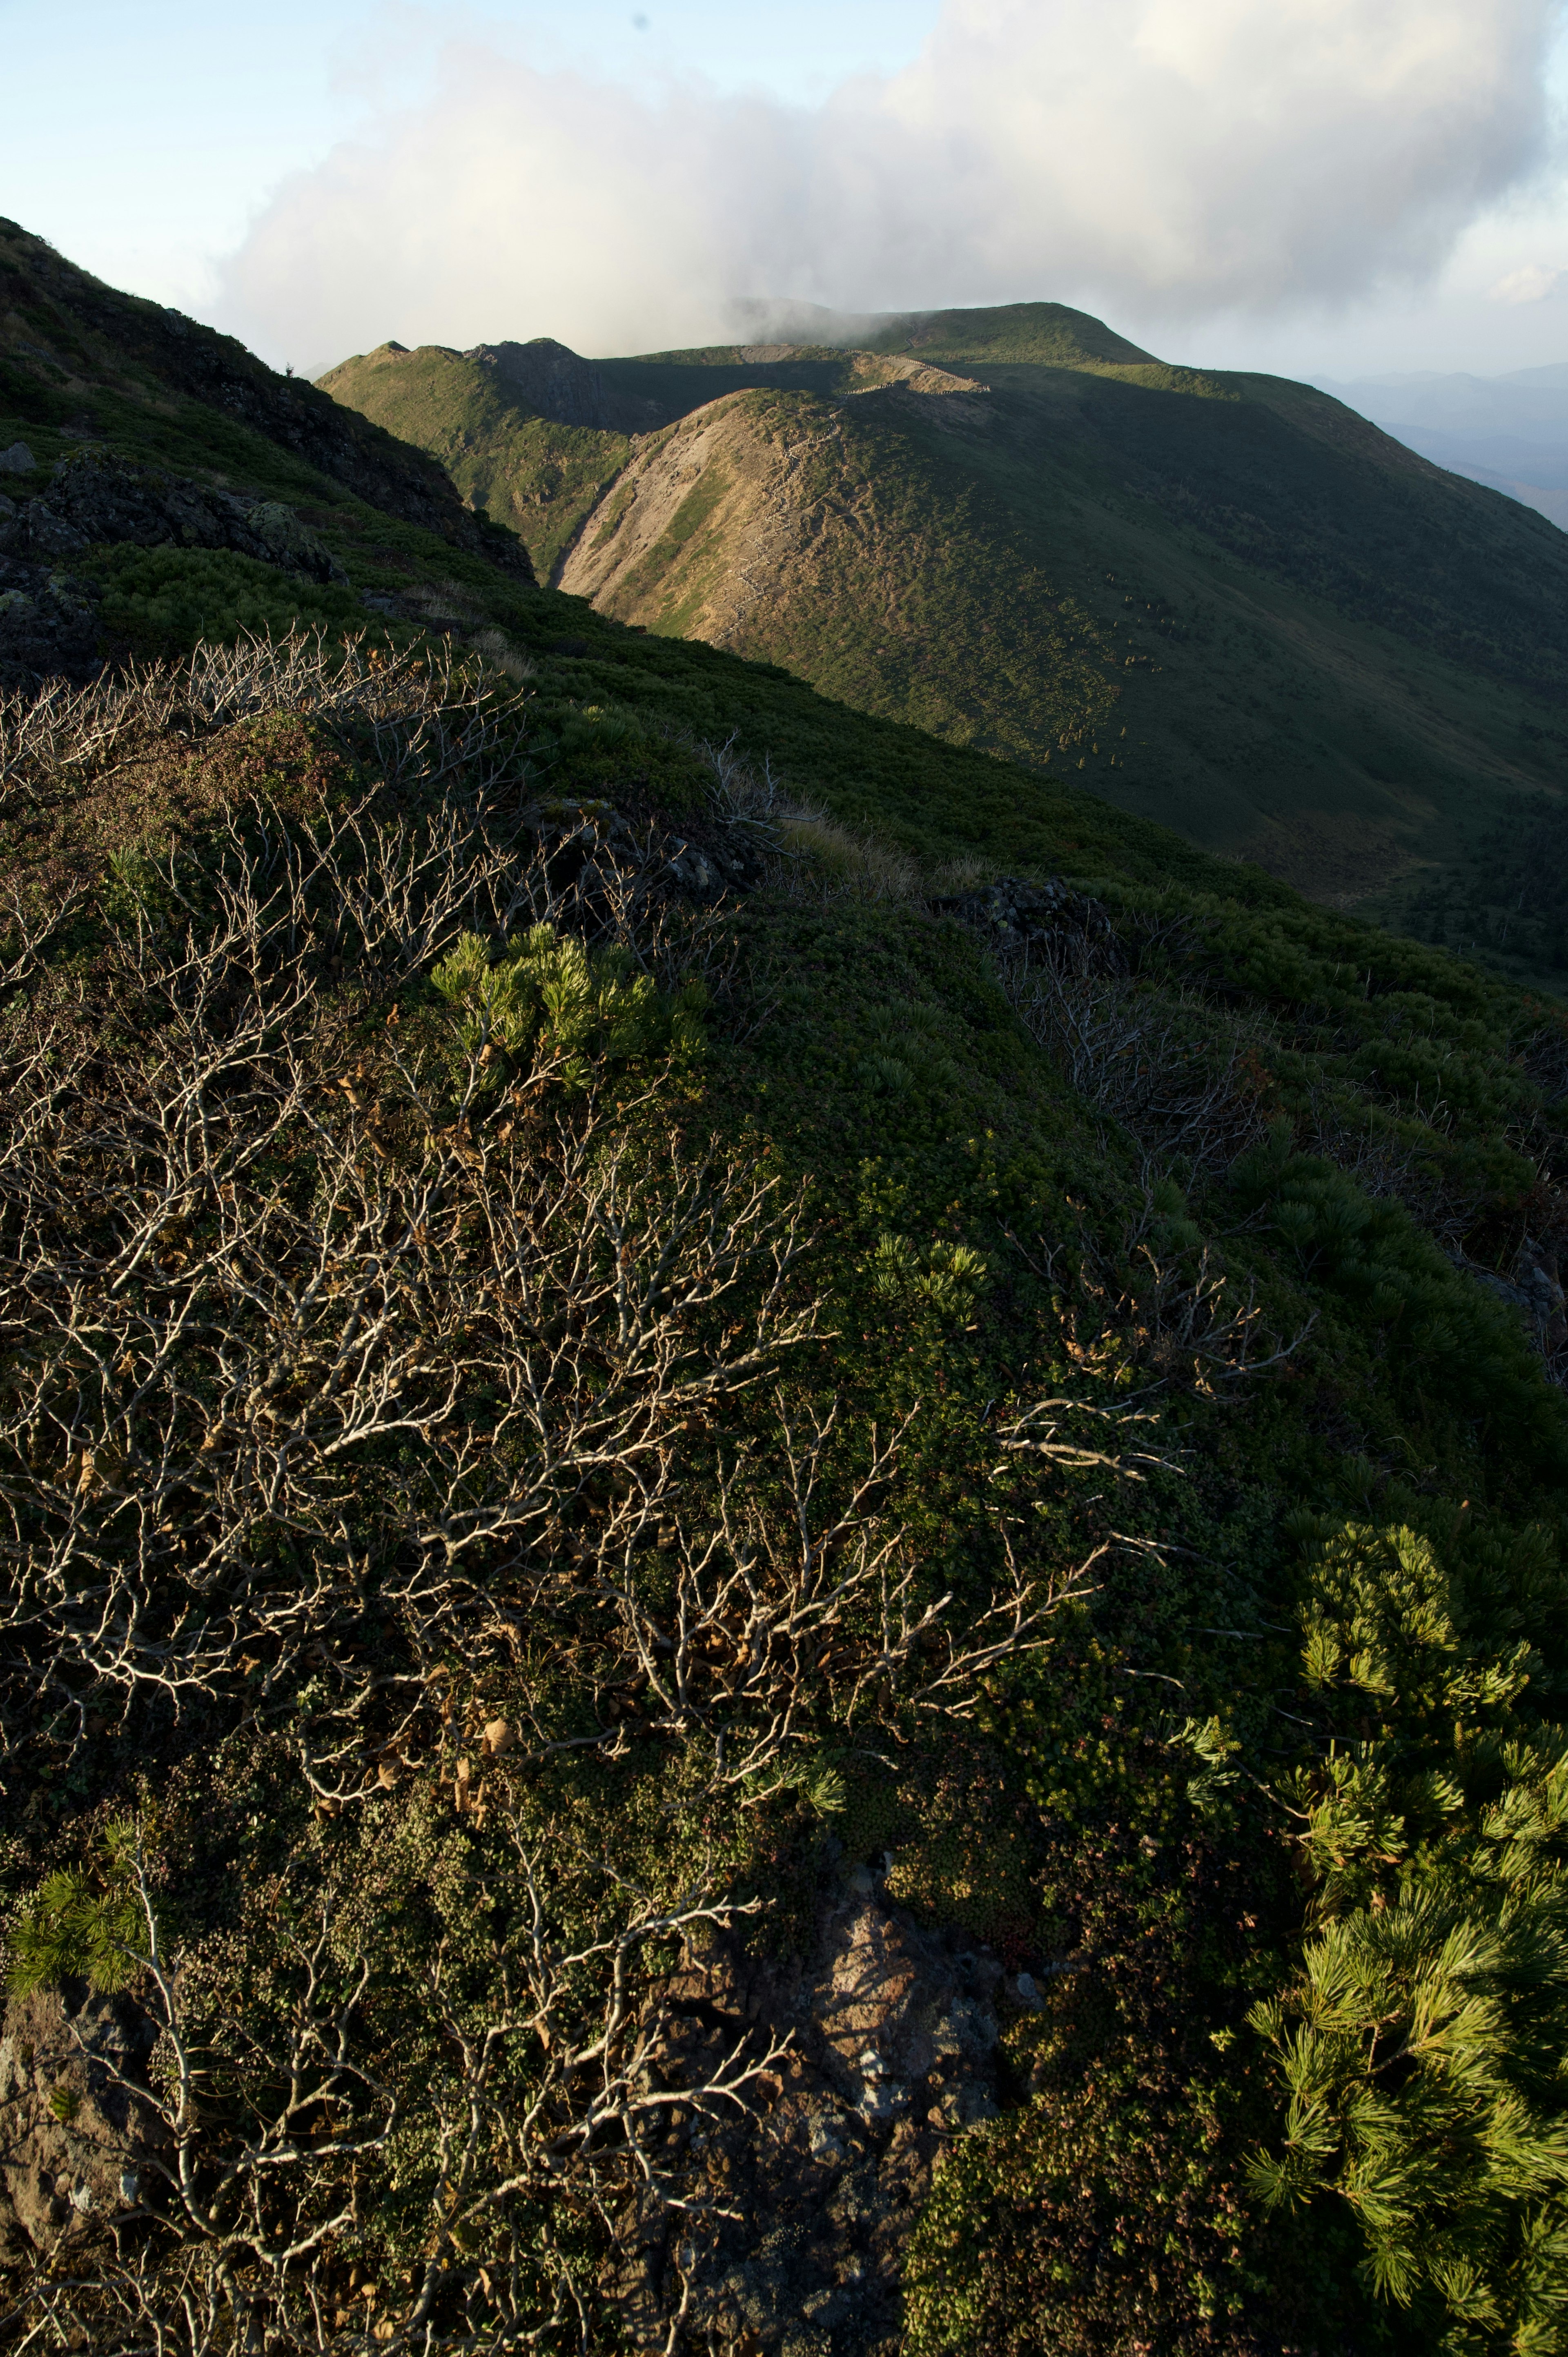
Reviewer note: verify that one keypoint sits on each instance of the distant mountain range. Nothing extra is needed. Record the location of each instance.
(1511, 432)
(1226, 602)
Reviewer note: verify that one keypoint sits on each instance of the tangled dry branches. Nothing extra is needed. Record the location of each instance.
(562, 2070)
(348, 1366)
(423, 716)
(1149, 1061)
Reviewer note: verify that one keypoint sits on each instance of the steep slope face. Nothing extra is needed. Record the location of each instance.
(547, 377)
(80, 339)
(537, 469)
(1510, 431)
(1284, 478)
(919, 556)
(1288, 480)
(137, 514)
(1324, 654)
(759, 522)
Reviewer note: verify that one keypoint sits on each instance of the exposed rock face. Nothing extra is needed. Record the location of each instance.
(1016, 917)
(74, 2146)
(602, 853)
(94, 499)
(48, 613)
(897, 2038)
(1534, 1288)
(48, 619)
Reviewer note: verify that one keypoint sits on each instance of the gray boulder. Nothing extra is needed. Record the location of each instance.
(48, 623)
(45, 533)
(894, 2050)
(1024, 918)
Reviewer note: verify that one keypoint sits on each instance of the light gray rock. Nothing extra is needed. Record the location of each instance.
(893, 2038)
(18, 460)
(285, 541)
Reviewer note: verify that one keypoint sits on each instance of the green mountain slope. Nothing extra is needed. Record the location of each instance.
(116, 366)
(1326, 655)
(785, 1540)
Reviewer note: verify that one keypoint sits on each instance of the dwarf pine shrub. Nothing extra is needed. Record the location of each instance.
(87, 1925)
(1419, 2052)
(163, 599)
(559, 996)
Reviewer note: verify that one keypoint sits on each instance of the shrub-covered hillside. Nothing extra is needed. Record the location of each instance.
(783, 1518)
(756, 1597)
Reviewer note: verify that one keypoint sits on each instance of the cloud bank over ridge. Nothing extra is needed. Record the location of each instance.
(1161, 159)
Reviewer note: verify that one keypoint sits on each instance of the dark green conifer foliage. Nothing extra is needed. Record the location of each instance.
(85, 1924)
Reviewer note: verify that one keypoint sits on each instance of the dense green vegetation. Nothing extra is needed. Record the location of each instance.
(1052, 1228)
(568, 1439)
(1510, 902)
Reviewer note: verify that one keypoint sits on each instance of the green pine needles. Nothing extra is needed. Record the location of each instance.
(557, 998)
(87, 1926)
(1422, 2049)
(948, 1276)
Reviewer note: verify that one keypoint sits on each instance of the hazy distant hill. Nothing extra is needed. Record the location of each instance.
(1511, 432)
(1224, 601)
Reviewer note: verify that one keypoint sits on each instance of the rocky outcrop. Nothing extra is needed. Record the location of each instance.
(603, 855)
(896, 2035)
(48, 619)
(1017, 919)
(1533, 1287)
(50, 606)
(74, 2143)
(553, 380)
(95, 499)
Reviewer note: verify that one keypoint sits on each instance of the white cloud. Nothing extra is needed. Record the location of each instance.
(1532, 284)
(1167, 157)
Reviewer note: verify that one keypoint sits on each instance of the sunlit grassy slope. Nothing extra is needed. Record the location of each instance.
(1221, 601)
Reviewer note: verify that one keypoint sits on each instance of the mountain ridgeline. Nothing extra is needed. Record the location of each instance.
(783, 1511)
(1224, 602)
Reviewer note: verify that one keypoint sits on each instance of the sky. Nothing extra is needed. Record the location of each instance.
(1330, 189)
